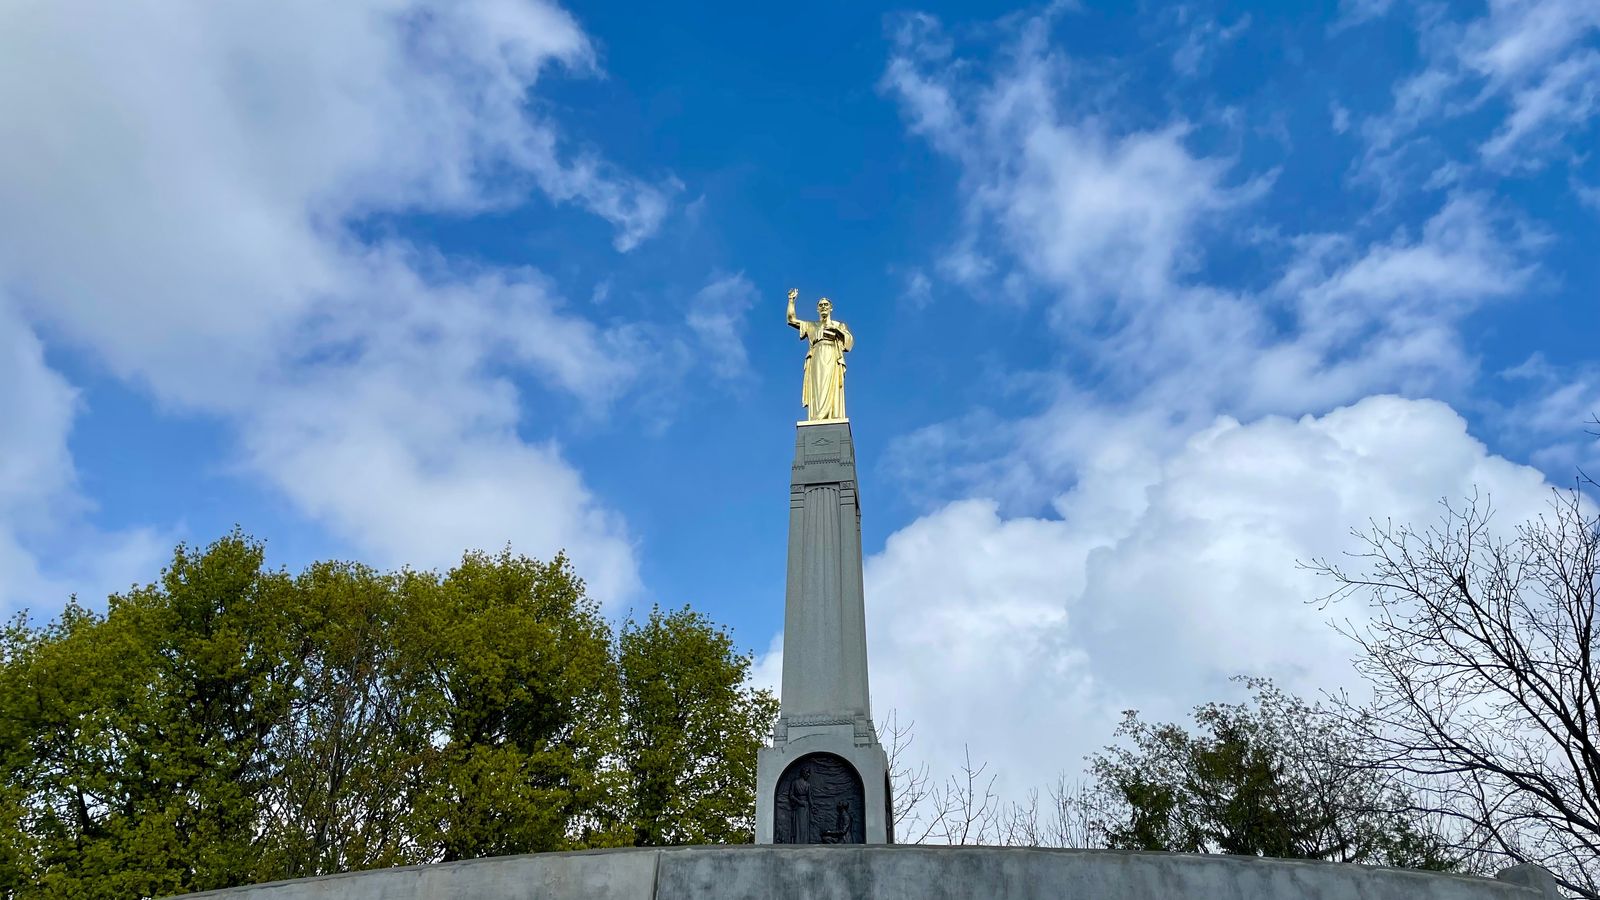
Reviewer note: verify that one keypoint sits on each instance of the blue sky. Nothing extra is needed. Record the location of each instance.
(1150, 303)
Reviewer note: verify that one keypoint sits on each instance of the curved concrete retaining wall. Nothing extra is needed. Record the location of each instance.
(895, 873)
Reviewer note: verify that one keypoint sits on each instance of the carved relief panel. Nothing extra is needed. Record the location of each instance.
(820, 801)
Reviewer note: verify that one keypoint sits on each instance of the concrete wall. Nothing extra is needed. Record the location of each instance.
(895, 873)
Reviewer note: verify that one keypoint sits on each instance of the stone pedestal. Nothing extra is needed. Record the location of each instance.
(825, 779)
(906, 872)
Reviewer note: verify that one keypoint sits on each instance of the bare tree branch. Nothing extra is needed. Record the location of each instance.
(1480, 650)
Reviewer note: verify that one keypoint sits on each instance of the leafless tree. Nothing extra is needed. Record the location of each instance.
(965, 809)
(1482, 655)
(1070, 819)
(908, 781)
(1020, 825)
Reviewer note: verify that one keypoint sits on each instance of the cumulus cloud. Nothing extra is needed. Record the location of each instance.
(183, 188)
(1025, 637)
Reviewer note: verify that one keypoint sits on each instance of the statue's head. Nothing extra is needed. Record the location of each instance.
(824, 309)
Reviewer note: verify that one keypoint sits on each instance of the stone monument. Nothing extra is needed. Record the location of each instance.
(825, 779)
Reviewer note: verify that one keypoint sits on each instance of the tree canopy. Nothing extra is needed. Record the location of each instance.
(1262, 780)
(230, 724)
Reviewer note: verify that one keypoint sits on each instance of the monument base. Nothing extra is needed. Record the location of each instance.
(839, 812)
(896, 873)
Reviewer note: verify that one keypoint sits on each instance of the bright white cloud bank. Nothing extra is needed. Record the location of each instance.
(180, 189)
(1025, 637)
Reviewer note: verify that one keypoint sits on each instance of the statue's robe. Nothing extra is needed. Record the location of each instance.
(822, 390)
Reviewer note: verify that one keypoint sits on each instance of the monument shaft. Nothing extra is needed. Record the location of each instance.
(825, 779)
(824, 623)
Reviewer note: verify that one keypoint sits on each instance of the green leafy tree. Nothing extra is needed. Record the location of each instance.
(509, 663)
(229, 724)
(1269, 781)
(137, 742)
(346, 747)
(691, 730)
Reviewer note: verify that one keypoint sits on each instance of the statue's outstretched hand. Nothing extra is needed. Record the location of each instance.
(794, 294)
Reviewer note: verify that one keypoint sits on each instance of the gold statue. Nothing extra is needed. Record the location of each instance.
(822, 392)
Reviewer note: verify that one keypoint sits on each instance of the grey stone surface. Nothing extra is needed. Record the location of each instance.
(824, 695)
(1532, 876)
(595, 875)
(889, 873)
(824, 622)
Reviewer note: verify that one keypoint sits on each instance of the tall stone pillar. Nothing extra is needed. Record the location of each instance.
(825, 779)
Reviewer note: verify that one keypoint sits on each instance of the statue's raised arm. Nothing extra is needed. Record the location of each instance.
(794, 293)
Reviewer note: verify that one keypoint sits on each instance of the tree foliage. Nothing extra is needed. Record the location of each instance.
(690, 780)
(230, 724)
(1264, 781)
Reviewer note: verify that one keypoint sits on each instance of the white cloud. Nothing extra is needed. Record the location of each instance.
(1587, 195)
(1519, 38)
(1339, 119)
(179, 183)
(1556, 416)
(37, 406)
(1356, 12)
(919, 290)
(1202, 41)
(1115, 222)
(1386, 316)
(1567, 94)
(717, 314)
(1025, 637)
(1104, 212)
(47, 549)
(767, 672)
(1528, 55)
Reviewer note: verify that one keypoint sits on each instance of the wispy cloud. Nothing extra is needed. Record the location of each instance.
(1528, 61)
(717, 315)
(1114, 223)
(1202, 41)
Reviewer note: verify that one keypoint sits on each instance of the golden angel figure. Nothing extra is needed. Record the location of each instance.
(822, 391)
